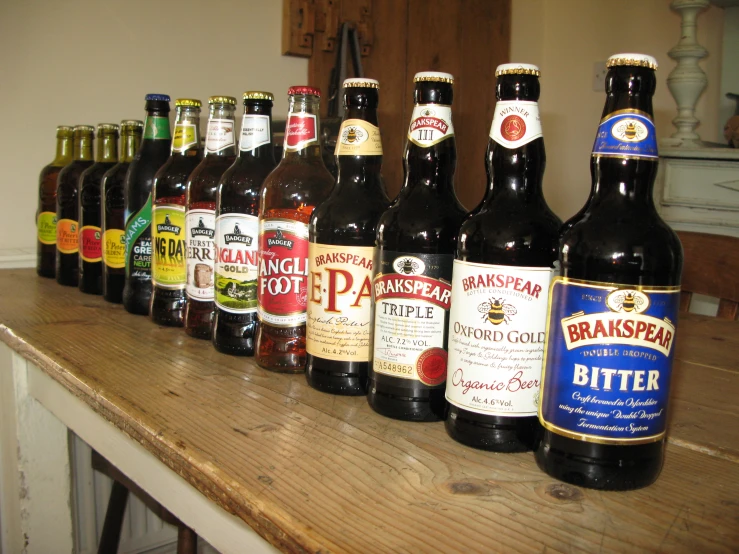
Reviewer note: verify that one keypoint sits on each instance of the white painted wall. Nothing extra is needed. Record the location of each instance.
(92, 61)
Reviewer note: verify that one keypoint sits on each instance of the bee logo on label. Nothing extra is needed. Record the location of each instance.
(497, 311)
(353, 135)
(409, 265)
(629, 130)
(625, 300)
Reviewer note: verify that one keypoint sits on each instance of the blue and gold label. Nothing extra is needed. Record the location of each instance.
(626, 133)
(608, 361)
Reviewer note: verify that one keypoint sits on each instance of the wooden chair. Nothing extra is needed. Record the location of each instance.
(711, 267)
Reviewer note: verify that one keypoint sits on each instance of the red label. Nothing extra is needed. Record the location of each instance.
(394, 285)
(90, 244)
(431, 366)
(300, 130)
(429, 122)
(513, 128)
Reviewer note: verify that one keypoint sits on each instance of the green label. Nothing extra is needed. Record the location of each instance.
(168, 235)
(156, 127)
(138, 242)
(46, 225)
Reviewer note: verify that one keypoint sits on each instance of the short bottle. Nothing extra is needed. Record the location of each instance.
(416, 239)
(506, 253)
(169, 271)
(340, 254)
(113, 220)
(90, 210)
(67, 207)
(290, 194)
(237, 230)
(153, 152)
(200, 218)
(46, 212)
(613, 306)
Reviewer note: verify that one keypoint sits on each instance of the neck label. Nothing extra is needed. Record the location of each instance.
(358, 138)
(156, 128)
(626, 134)
(255, 132)
(430, 124)
(515, 123)
(300, 131)
(185, 136)
(220, 135)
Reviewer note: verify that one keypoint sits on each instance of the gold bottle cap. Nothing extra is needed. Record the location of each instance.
(436, 76)
(517, 69)
(107, 127)
(64, 128)
(638, 60)
(132, 124)
(84, 129)
(230, 100)
(258, 95)
(194, 102)
(361, 82)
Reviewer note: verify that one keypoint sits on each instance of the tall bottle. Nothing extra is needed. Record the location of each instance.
(91, 252)
(153, 152)
(46, 212)
(113, 223)
(506, 253)
(290, 194)
(67, 208)
(416, 239)
(169, 270)
(613, 308)
(237, 229)
(200, 221)
(342, 238)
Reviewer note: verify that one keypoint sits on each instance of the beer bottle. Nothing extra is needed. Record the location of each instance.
(613, 306)
(168, 217)
(200, 221)
(290, 194)
(506, 252)
(416, 239)
(46, 213)
(237, 229)
(113, 224)
(67, 209)
(153, 152)
(91, 253)
(342, 238)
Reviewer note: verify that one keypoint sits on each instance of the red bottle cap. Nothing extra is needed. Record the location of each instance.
(305, 90)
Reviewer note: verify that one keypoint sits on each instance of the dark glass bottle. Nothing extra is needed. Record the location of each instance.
(113, 224)
(290, 194)
(237, 230)
(614, 308)
(169, 270)
(506, 252)
(202, 190)
(67, 208)
(153, 152)
(91, 252)
(342, 239)
(416, 239)
(46, 212)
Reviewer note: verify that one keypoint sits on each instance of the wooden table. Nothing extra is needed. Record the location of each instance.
(210, 435)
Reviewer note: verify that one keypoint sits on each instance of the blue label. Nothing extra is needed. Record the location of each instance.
(608, 361)
(626, 133)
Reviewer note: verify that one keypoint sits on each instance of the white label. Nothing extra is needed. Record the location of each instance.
(255, 132)
(201, 253)
(497, 326)
(430, 124)
(515, 123)
(220, 135)
(237, 238)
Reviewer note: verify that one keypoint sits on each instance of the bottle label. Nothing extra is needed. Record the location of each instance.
(430, 124)
(237, 239)
(515, 123)
(300, 131)
(46, 227)
(114, 248)
(156, 127)
(67, 236)
(168, 235)
(496, 338)
(608, 361)
(185, 137)
(201, 253)
(412, 294)
(282, 292)
(91, 248)
(358, 138)
(339, 302)
(255, 132)
(220, 135)
(626, 134)
(138, 243)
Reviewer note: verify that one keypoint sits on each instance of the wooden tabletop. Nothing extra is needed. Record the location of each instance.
(320, 473)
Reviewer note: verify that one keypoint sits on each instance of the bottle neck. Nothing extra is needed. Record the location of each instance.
(622, 181)
(156, 126)
(220, 139)
(130, 144)
(107, 148)
(64, 150)
(303, 130)
(256, 141)
(186, 141)
(83, 148)
(359, 170)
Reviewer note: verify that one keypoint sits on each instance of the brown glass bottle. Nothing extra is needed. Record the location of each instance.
(46, 212)
(237, 230)
(620, 267)
(200, 220)
(169, 269)
(113, 224)
(506, 252)
(90, 212)
(342, 239)
(67, 208)
(416, 239)
(289, 195)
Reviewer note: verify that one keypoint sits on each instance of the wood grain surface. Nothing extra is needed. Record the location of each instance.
(319, 473)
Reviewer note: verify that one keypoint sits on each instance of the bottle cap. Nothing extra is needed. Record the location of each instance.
(230, 100)
(517, 69)
(361, 82)
(638, 60)
(157, 97)
(258, 95)
(192, 102)
(309, 91)
(67, 128)
(84, 129)
(107, 127)
(436, 76)
(132, 123)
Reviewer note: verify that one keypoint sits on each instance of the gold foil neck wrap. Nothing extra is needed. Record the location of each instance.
(230, 100)
(190, 102)
(258, 95)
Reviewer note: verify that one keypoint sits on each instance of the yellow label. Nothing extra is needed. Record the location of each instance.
(168, 241)
(358, 138)
(114, 248)
(67, 236)
(184, 137)
(46, 227)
